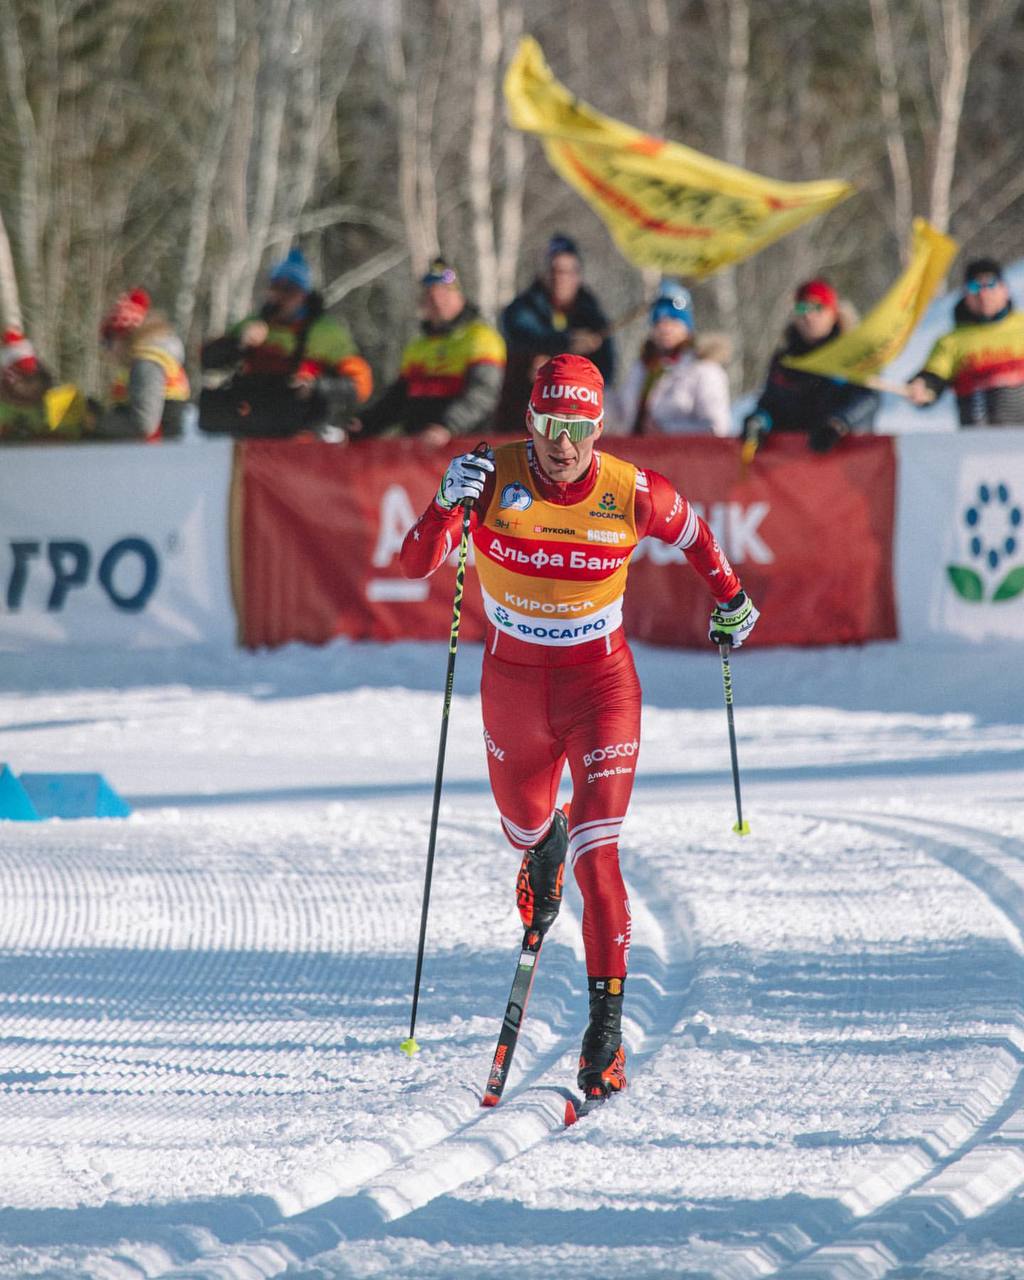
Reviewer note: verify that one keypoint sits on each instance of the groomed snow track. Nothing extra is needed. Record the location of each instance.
(248, 951)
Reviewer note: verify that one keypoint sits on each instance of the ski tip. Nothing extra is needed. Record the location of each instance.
(489, 1100)
(741, 828)
(409, 1047)
(571, 1115)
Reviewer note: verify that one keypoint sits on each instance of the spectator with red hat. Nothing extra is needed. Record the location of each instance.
(149, 386)
(824, 409)
(554, 524)
(23, 386)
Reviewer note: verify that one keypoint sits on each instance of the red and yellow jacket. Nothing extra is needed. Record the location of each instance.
(978, 357)
(553, 558)
(450, 376)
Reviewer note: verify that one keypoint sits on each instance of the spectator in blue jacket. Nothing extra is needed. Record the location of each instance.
(824, 409)
(556, 314)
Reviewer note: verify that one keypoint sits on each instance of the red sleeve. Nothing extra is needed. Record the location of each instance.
(435, 535)
(663, 513)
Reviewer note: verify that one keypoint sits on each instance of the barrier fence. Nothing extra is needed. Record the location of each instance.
(142, 547)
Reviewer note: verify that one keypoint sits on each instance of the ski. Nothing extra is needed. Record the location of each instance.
(522, 984)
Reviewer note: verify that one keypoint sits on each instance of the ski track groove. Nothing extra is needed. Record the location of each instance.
(531, 1111)
(958, 1172)
(908, 1207)
(961, 1173)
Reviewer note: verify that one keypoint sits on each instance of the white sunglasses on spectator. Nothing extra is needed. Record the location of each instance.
(551, 425)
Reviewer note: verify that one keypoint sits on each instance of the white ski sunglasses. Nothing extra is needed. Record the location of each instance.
(551, 425)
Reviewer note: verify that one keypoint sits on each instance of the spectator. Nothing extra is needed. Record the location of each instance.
(679, 385)
(556, 314)
(450, 375)
(983, 357)
(23, 386)
(293, 367)
(149, 387)
(824, 409)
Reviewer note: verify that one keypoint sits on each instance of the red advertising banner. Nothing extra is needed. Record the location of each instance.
(320, 529)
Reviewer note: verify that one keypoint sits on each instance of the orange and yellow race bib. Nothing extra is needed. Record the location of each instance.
(551, 574)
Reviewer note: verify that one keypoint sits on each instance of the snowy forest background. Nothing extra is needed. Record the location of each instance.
(183, 144)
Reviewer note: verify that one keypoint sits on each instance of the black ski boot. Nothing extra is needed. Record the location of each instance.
(602, 1057)
(539, 883)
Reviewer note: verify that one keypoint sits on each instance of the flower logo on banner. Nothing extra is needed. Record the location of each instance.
(994, 538)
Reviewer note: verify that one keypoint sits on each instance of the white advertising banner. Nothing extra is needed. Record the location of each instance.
(960, 535)
(115, 545)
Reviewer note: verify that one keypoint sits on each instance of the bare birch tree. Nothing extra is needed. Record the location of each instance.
(513, 155)
(10, 298)
(735, 45)
(895, 138)
(478, 160)
(951, 84)
(208, 164)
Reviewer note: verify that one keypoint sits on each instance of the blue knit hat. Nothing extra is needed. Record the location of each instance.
(440, 272)
(560, 243)
(293, 270)
(674, 301)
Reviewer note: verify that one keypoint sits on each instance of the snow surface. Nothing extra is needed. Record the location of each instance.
(201, 1006)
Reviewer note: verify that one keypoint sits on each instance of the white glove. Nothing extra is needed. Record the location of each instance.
(464, 479)
(733, 622)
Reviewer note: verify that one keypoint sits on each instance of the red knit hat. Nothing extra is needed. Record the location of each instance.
(127, 313)
(817, 290)
(16, 352)
(569, 384)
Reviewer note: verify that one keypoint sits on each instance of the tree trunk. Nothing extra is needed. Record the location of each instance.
(956, 42)
(481, 136)
(275, 98)
(513, 150)
(895, 140)
(422, 245)
(28, 220)
(734, 151)
(10, 300)
(208, 167)
(227, 301)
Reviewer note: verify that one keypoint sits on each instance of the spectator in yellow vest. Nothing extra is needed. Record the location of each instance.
(148, 387)
(983, 358)
(450, 376)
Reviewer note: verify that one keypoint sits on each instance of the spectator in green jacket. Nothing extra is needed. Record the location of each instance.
(293, 366)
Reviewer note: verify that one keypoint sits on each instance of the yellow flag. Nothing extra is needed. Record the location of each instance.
(665, 205)
(882, 334)
(65, 407)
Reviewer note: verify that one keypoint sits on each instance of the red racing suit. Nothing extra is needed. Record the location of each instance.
(558, 684)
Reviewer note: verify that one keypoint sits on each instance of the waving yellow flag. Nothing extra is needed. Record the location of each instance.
(882, 334)
(665, 205)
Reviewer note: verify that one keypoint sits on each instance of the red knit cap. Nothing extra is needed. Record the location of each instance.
(16, 352)
(127, 313)
(818, 291)
(571, 385)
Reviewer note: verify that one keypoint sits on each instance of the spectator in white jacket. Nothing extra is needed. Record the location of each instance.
(679, 385)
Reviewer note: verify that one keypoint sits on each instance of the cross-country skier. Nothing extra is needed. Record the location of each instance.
(554, 526)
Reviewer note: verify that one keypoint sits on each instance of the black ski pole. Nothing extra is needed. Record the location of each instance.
(740, 827)
(410, 1046)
